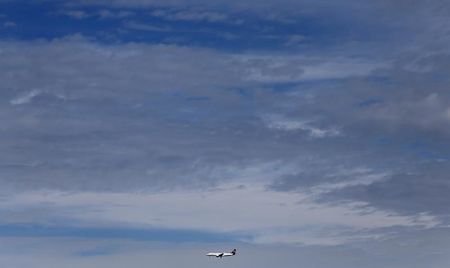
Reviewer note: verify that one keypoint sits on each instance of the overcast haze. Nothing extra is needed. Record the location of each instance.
(146, 133)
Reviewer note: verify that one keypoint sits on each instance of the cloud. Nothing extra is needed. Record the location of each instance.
(26, 98)
(234, 5)
(295, 40)
(420, 192)
(9, 24)
(121, 97)
(108, 14)
(292, 69)
(146, 27)
(240, 213)
(289, 145)
(421, 111)
(87, 96)
(77, 14)
(315, 182)
(190, 15)
(275, 122)
(104, 13)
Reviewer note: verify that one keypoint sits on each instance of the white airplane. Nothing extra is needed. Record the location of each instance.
(222, 254)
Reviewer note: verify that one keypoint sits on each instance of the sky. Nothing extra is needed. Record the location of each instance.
(146, 133)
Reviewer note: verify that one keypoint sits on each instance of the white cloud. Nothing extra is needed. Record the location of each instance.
(25, 98)
(145, 27)
(280, 123)
(341, 68)
(357, 177)
(276, 68)
(249, 209)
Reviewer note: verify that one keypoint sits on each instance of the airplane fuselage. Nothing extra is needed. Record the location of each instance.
(222, 254)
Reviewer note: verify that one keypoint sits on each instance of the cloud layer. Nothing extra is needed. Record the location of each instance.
(234, 122)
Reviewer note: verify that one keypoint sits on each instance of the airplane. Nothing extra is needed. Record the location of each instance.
(222, 254)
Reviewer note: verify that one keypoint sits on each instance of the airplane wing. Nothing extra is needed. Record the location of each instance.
(214, 254)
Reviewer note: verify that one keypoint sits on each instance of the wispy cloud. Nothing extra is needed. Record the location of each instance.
(9, 24)
(190, 15)
(146, 27)
(169, 207)
(25, 98)
(77, 14)
(280, 123)
(81, 14)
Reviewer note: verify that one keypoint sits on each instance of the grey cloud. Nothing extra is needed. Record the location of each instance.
(119, 111)
(77, 115)
(414, 122)
(425, 191)
(83, 116)
(317, 173)
(404, 131)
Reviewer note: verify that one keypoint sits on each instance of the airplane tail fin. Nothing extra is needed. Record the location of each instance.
(233, 252)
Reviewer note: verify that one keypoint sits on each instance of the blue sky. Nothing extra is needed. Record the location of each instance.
(311, 132)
